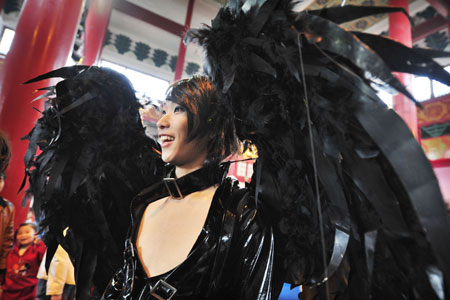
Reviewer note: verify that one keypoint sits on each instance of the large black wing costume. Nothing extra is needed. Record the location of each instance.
(357, 199)
(95, 158)
(353, 196)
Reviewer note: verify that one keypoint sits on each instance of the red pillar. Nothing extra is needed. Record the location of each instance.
(43, 42)
(400, 30)
(97, 22)
(182, 49)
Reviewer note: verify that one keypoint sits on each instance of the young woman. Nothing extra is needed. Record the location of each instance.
(332, 202)
(203, 240)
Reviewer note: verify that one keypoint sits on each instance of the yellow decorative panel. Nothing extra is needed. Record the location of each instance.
(437, 148)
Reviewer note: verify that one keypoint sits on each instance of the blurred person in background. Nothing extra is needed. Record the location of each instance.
(59, 282)
(23, 264)
(6, 229)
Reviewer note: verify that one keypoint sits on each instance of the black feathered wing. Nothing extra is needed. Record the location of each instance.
(301, 90)
(95, 158)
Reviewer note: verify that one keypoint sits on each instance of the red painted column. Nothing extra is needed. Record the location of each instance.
(96, 24)
(2, 2)
(182, 49)
(400, 30)
(43, 42)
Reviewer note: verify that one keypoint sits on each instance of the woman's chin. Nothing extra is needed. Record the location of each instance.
(167, 159)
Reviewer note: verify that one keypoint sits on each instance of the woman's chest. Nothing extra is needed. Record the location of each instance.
(169, 229)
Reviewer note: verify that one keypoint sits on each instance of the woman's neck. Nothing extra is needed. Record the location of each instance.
(180, 171)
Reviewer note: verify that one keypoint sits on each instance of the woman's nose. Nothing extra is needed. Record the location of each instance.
(163, 122)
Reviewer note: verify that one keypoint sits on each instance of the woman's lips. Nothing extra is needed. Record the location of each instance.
(165, 144)
(166, 140)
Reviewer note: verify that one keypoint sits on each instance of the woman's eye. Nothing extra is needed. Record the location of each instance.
(179, 109)
(163, 112)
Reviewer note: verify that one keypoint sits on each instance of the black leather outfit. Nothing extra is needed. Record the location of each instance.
(233, 258)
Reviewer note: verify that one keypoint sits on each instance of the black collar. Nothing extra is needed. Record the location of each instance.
(179, 187)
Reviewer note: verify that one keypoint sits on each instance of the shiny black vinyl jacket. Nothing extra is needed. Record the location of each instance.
(233, 257)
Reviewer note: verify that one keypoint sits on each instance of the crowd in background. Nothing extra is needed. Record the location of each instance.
(23, 275)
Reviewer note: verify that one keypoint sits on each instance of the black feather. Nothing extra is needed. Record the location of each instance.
(95, 157)
(274, 66)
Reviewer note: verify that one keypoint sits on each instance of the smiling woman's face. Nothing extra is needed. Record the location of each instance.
(173, 135)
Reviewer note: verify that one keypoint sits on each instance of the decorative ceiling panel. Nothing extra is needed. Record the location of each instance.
(357, 25)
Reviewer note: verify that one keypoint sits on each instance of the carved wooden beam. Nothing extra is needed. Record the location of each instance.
(432, 25)
(148, 17)
(441, 6)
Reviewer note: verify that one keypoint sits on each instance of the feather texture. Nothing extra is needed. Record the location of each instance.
(331, 155)
(377, 191)
(95, 157)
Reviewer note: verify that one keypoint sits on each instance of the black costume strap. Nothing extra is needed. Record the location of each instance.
(178, 187)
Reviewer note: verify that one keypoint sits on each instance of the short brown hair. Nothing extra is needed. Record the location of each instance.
(208, 115)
